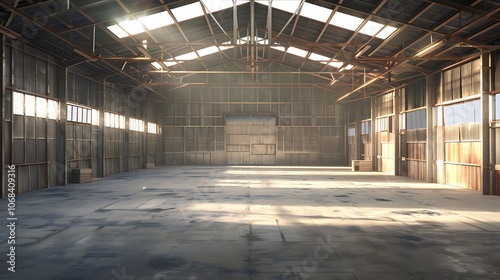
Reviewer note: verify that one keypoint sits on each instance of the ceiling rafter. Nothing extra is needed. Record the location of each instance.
(455, 32)
(469, 9)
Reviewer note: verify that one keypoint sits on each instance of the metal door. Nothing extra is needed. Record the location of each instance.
(251, 139)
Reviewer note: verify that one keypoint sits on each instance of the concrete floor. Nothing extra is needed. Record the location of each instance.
(254, 223)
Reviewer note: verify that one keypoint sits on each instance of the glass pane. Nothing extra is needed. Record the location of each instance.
(80, 114)
(53, 109)
(497, 107)
(18, 103)
(95, 117)
(84, 115)
(89, 116)
(30, 103)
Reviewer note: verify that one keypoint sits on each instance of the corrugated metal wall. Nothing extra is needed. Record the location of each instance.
(460, 125)
(384, 136)
(45, 141)
(82, 139)
(30, 139)
(414, 138)
(309, 129)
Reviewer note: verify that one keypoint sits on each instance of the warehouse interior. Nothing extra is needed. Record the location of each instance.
(115, 86)
(109, 91)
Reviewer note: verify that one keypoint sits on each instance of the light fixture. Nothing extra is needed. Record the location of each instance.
(429, 48)
(89, 56)
(9, 33)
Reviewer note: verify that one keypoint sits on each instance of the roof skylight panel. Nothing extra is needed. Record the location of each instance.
(118, 31)
(386, 32)
(319, 58)
(187, 56)
(157, 20)
(371, 28)
(222, 48)
(156, 65)
(315, 12)
(284, 5)
(336, 64)
(132, 27)
(218, 5)
(279, 48)
(208, 51)
(297, 52)
(189, 11)
(346, 21)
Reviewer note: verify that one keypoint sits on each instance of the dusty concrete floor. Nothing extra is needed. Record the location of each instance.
(254, 223)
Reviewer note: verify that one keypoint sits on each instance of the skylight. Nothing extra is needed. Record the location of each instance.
(336, 64)
(284, 5)
(187, 56)
(219, 5)
(118, 31)
(189, 11)
(191, 55)
(371, 28)
(318, 57)
(386, 32)
(314, 12)
(297, 52)
(208, 51)
(158, 20)
(278, 48)
(325, 60)
(346, 21)
(132, 27)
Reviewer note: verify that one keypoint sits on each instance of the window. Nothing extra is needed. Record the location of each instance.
(467, 112)
(416, 119)
(497, 107)
(366, 127)
(29, 105)
(351, 130)
(152, 128)
(114, 120)
(136, 125)
(18, 103)
(81, 114)
(53, 109)
(384, 124)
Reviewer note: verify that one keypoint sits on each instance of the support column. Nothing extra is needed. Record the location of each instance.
(145, 144)
(126, 139)
(62, 166)
(397, 137)
(374, 135)
(485, 124)
(430, 90)
(100, 133)
(359, 142)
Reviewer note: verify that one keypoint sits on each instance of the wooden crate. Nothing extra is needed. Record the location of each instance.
(150, 165)
(81, 175)
(362, 165)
